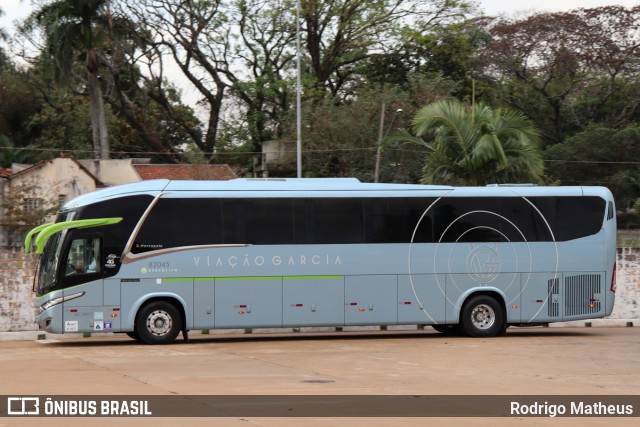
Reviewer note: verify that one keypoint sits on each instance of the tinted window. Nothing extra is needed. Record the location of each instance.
(325, 221)
(188, 222)
(114, 236)
(527, 220)
(180, 222)
(516, 219)
(397, 220)
(571, 217)
(467, 219)
(257, 221)
(579, 217)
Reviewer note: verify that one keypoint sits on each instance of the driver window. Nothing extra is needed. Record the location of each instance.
(84, 257)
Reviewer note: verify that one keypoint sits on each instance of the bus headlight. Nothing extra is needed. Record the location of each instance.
(47, 305)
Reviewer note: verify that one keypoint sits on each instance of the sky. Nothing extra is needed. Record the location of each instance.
(16, 9)
(497, 7)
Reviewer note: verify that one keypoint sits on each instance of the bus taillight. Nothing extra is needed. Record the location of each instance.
(613, 278)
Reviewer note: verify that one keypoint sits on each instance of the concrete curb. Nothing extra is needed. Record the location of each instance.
(38, 335)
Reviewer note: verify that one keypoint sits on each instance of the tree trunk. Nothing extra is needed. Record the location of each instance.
(96, 110)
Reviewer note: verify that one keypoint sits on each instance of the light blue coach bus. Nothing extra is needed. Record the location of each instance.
(158, 257)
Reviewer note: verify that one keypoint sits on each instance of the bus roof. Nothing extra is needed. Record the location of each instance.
(292, 184)
(301, 185)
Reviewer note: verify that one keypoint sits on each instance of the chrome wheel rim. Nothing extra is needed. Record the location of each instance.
(159, 323)
(483, 316)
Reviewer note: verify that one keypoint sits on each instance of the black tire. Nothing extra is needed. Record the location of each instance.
(133, 335)
(482, 316)
(158, 322)
(447, 329)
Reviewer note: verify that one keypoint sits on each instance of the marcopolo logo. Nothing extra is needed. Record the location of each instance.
(23, 406)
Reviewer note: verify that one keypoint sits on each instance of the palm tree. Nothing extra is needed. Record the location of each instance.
(72, 26)
(478, 145)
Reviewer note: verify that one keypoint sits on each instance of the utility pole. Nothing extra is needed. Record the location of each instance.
(381, 136)
(376, 174)
(298, 90)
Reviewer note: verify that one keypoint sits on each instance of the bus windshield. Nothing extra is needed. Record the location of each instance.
(45, 277)
(46, 274)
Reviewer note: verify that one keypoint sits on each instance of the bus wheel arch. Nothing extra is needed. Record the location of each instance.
(483, 315)
(159, 320)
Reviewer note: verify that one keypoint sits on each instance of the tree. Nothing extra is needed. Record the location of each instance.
(239, 55)
(3, 37)
(72, 26)
(341, 137)
(196, 36)
(341, 35)
(599, 156)
(143, 114)
(448, 51)
(27, 204)
(265, 90)
(546, 61)
(478, 145)
(19, 105)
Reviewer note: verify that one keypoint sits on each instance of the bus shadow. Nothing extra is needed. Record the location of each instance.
(428, 333)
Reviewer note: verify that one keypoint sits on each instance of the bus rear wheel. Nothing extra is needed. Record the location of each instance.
(158, 322)
(482, 316)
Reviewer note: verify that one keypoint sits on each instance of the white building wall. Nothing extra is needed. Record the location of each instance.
(113, 172)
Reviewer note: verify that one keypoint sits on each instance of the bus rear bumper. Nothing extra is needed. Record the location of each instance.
(610, 302)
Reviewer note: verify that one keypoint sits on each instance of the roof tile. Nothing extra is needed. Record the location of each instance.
(186, 172)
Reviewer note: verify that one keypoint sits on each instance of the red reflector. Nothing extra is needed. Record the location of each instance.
(407, 303)
(298, 305)
(539, 300)
(74, 310)
(354, 303)
(613, 278)
(116, 309)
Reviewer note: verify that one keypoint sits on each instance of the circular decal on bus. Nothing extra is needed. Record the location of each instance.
(504, 259)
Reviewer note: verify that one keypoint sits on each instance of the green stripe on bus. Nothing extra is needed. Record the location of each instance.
(248, 278)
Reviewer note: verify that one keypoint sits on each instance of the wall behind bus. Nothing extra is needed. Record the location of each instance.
(628, 285)
(17, 311)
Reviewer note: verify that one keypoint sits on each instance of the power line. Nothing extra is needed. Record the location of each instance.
(307, 150)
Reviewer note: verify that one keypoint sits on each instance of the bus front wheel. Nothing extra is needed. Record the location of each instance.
(158, 322)
(482, 316)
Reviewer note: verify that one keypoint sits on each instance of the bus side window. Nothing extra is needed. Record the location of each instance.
(84, 257)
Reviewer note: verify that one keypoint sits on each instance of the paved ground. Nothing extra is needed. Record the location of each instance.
(541, 361)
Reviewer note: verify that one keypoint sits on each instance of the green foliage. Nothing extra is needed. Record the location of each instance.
(20, 103)
(478, 145)
(341, 137)
(599, 156)
(566, 70)
(574, 74)
(27, 204)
